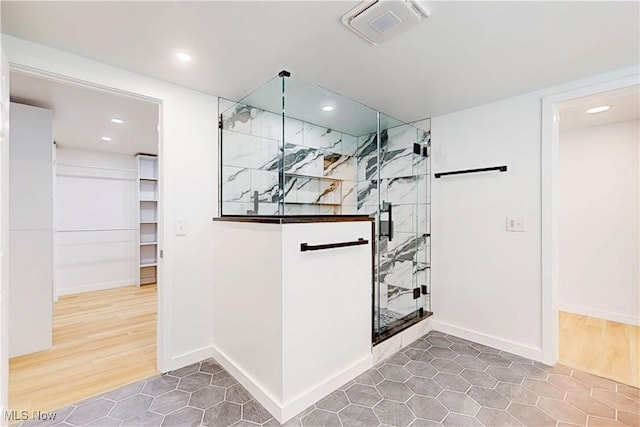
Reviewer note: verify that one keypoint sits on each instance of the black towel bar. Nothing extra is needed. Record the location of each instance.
(304, 247)
(493, 168)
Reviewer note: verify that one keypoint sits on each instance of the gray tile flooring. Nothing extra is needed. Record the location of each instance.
(438, 380)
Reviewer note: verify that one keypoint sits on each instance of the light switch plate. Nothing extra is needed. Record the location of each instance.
(515, 223)
(181, 227)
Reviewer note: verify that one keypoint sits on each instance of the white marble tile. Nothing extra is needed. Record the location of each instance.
(235, 117)
(367, 158)
(349, 145)
(401, 300)
(236, 208)
(293, 131)
(236, 184)
(414, 332)
(367, 193)
(301, 209)
(339, 166)
(397, 163)
(386, 348)
(349, 197)
(304, 160)
(322, 138)
(404, 219)
(248, 151)
(266, 184)
(401, 137)
(241, 208)
(401, 191)
(399, 273)
(348, 210)
(367, 209)
(265, 124)
(330, 192)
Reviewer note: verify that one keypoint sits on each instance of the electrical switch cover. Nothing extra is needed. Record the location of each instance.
(515, 223)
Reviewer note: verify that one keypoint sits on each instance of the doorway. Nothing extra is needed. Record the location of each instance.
(589, 213)
(98, 186)
(598, 234)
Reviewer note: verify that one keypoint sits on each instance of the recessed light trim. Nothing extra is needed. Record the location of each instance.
(328, 108)
(184, 57)
(598, 109)
(106, 139)
(117, 120)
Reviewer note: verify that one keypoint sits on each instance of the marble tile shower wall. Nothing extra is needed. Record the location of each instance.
(319, 164)
(403, 180)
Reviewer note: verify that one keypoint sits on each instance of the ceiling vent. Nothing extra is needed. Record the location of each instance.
(380, 20)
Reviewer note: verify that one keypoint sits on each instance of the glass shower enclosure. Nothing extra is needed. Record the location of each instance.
(292, 147)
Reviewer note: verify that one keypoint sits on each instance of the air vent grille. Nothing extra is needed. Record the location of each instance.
(381, 20)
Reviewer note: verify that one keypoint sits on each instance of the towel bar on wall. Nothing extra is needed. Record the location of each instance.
(304, 247)
(493, 168)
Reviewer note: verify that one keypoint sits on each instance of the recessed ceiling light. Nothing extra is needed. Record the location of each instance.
(183, 56)
(599, 109)
(106, 139)
(117, 120)
(328, 108)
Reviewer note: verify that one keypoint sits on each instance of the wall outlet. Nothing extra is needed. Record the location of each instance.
(515, 223)
(181, 227)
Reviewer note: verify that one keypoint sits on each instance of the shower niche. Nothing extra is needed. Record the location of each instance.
(293, 148)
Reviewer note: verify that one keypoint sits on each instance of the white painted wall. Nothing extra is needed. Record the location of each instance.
(30, 230)
(598, 229)
(95, 220)
(188, 189)
(487, 283)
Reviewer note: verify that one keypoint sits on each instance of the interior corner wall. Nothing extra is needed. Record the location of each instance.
(598, 222)
(188, 192)
(486, 282)
(95, 205)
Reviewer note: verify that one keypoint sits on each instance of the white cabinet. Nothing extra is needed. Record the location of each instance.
(148, 219)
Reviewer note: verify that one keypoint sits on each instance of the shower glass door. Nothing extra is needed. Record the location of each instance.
(400, 183)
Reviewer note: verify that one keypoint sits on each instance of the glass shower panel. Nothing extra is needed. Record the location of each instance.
(398, 241)
(295, 148)
(250, 152)
(321, 149)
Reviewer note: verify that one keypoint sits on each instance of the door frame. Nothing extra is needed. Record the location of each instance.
(550, 210)
(162, 325)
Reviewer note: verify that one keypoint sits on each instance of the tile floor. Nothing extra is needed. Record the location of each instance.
(438, 380)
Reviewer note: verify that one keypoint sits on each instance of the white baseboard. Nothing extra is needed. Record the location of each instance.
(94, 287)
(302, 402)
(266, 399)
(601, 314)
(489, 340)
(194, 356)
(285, 411)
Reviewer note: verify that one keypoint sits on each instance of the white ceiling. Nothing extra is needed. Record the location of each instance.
(82, 116)
(624, 103)
(465, 54)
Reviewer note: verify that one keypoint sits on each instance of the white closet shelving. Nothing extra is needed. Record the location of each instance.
(148, 219)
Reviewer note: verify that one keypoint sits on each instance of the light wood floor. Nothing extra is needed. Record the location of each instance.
(600, 347)
(101, 340)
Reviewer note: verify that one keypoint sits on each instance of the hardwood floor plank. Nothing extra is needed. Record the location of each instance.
(102, 340)
(600, 347)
